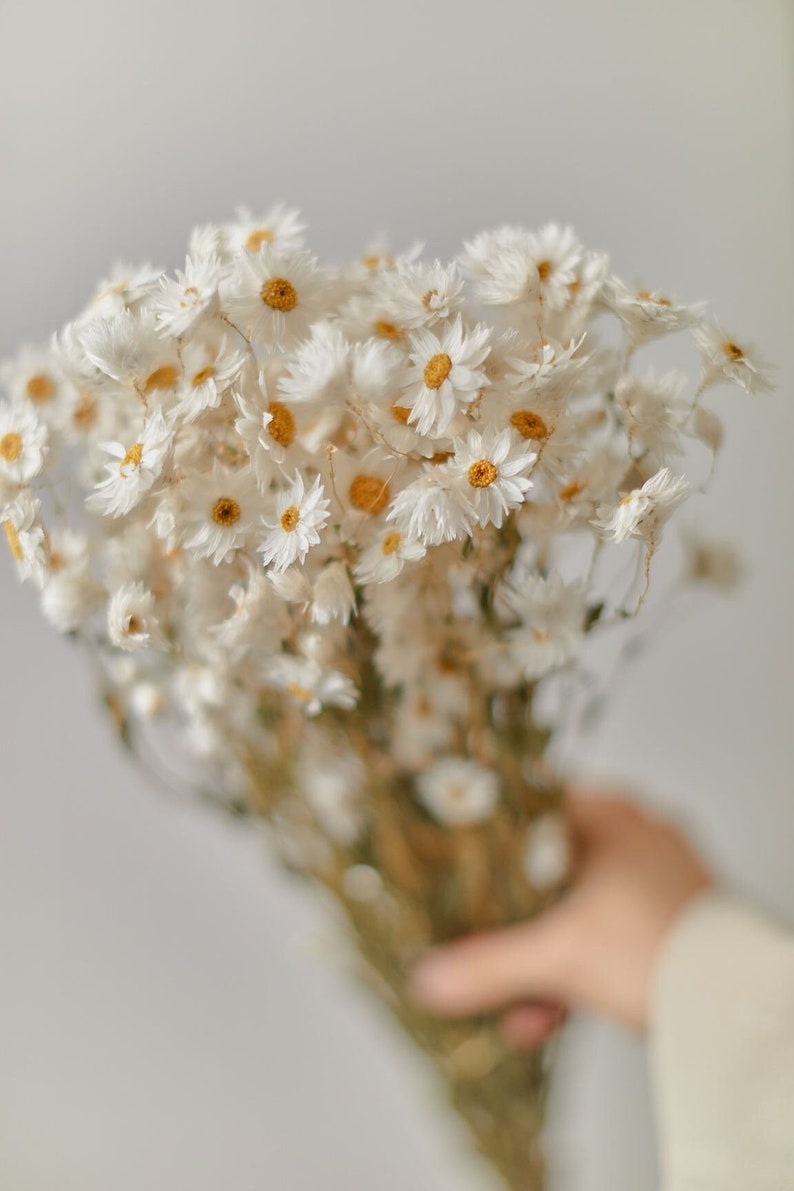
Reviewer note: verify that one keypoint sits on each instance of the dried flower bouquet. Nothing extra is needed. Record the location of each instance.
(348, 532)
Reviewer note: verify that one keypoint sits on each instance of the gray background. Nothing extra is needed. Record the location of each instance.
(169, 1016)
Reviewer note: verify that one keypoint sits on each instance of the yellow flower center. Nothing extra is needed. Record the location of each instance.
(437, 369)
(529, 424)
(226, 511)
(391, 543)
(84, 413)
(290, 518)
(258, 237)
(12, 537)
(428, 298)
(647, 296)
(369, 493)
(386, 330)
(40, 387)
(482, 473)
(401, 413)
(133, 457)
(11, 446)
(571, 490)
(203, 375)
(733, 351)
(544, 271)
(281, 426)
(162, 378)
(279, 294)
(374, 262)
(300, 692)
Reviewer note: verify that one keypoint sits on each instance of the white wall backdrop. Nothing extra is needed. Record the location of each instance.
(165, 1019)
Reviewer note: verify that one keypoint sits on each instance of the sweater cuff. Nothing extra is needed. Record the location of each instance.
(722, 1049)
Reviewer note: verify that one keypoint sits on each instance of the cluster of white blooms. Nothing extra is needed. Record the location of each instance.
(271, 493)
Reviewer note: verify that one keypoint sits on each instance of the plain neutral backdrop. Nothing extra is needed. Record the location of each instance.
(171, 1016)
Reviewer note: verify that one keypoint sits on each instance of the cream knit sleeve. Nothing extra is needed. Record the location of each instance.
(722, 1049)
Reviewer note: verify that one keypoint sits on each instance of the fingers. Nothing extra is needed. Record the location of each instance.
(526, 1027)
(592, 813)
(490, 971)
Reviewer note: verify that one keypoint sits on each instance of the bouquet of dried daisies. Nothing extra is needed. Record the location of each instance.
(347, 532)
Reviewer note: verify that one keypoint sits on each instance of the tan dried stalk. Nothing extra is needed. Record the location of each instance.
(438, 883)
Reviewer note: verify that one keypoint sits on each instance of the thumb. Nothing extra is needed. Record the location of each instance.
(490, 971)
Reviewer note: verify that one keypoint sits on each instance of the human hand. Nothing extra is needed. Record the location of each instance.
(596, 949)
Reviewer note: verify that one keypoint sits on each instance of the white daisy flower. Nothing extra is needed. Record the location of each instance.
(132, 623)
(279, 228)
(128, 349)
(209, 365)
(219, 512)
(457, 791)
(293, 586)
(421, 294)
(547, 852)
(647, 314)
(384, 559)
(489, 469)
(185, 299)
(511, 265)
(274, 297)
(89, 417)
(366, 316)
(125, 288)
(333, 786)
(333, 595)
(431, 510)
(376, 369)
(552, 621)
(550, 366)
(643, 512)
(34, 375)
(71, 594)
(318, 370)
(209, 241)
(585, 289)
(596, 479)
(135, 468)
(311, 685)
(363, 486)
(269, 428)
(728, 361)
(131, 366)
(389, 424)
(542, 421)
(444, 375)
(300, 516)
(421, 731)
(26, 538)
(655, 414)
(260, 621)
(23, 443)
